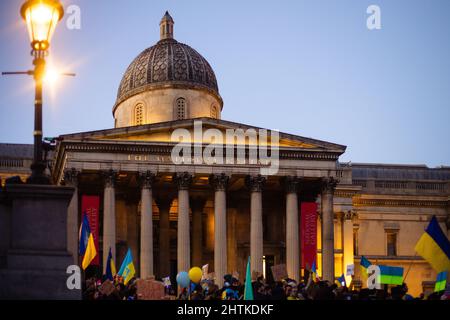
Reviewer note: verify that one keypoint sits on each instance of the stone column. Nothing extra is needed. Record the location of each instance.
(109, 216)
(71, 180)
(255, 184)
(292, 225)
(197, 205)
(183, 181)
(164, 235)
(219, 183)
(328, 186)
(232, 248)
(347, 227)
(146, 180)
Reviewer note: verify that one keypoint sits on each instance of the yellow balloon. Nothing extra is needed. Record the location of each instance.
(195, 274)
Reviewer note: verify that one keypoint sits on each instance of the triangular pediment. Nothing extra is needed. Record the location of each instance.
(162, 133)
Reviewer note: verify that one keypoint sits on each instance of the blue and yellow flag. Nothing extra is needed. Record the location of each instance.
(87, 245)
(391, 275)
(342, 281)
(248, 289)
(127, 270)
(434, 247)
(314, 275)
(364, 264)
(441, 281)
(110, 267)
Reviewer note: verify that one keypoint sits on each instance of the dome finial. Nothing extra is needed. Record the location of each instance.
(166, 26)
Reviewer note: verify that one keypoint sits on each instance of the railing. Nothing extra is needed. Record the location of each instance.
(362, 183)
(440, 186)
(11, 163)
(391, 184)
(435, 186)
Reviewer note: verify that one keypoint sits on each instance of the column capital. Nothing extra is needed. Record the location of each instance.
(219, 181)
(329, 184)
(109, 178)
(291, 184)
(183, 180)
(71, 177)
(255, 183)
(146, 179)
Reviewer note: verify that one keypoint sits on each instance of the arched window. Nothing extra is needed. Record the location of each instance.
(139, 114)
(181, 108)
(214, 113)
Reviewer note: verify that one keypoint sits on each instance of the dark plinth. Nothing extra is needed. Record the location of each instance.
(37, 257)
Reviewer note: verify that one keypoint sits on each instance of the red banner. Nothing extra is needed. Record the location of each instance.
(308, 231)
(90, 206)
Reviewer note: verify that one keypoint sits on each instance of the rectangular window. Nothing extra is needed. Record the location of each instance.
(391, 243)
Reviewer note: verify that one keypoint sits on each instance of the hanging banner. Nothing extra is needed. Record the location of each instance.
(90, 206)
(308, 233)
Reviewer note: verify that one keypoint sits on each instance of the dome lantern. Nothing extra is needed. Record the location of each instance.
(166, 26)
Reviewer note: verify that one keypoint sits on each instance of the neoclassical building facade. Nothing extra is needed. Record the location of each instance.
(177, 215)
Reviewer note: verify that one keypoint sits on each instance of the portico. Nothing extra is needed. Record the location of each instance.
(176, 216)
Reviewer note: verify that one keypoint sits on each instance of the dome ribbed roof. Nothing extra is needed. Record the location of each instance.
(169, 62)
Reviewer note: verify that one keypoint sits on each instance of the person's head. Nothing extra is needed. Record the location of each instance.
(212, 288)
(227, 278)
(294, 292)
(404, 288)
(287, 290)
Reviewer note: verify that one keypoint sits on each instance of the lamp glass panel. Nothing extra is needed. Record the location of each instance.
(41, 21)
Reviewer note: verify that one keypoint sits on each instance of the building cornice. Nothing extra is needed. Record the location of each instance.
(165, 149)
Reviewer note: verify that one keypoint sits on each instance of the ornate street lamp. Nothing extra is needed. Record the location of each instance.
(41, 17)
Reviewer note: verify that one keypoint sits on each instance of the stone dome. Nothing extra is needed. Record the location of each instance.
(168, 63)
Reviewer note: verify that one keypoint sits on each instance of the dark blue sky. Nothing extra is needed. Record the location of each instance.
(310, 68)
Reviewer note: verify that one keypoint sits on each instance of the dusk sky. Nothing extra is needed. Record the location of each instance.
(310, 68)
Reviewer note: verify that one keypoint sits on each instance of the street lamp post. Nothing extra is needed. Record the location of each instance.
(41, 17)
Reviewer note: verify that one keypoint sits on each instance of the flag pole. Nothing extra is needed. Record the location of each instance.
(409, 268)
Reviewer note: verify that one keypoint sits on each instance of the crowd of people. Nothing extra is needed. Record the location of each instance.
(289, 289)
(233, 289)
(94, 289)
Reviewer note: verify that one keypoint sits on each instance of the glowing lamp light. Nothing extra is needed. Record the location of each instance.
(51, 76)
(41, 17)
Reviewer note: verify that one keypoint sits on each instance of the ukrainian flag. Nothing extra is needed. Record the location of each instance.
(110, 267)
(127, 270)
(364, 264)
(391, 275)
(434, 247)
(87, 246)
(441, 281)
(342, 281)
(314, 272)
